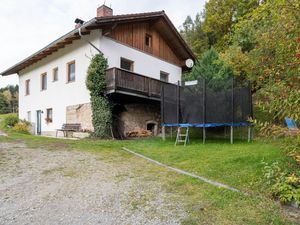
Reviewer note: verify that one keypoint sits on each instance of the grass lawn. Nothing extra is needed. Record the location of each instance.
(238, 165)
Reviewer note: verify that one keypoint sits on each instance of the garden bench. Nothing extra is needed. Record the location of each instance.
(69, 127)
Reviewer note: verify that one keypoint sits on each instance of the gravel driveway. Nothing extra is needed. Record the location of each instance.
(39, 186)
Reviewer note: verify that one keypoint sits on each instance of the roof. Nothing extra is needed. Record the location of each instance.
(104, 22)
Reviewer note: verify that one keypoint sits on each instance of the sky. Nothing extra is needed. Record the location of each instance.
(29, 25)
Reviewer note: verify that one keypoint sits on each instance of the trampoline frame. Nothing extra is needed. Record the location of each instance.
(209, 125)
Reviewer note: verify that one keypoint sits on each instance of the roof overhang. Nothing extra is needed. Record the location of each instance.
(159, 19)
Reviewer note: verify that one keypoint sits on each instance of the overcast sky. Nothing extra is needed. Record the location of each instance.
(29, 25)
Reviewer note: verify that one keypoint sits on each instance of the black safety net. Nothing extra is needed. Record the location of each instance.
(222, 101)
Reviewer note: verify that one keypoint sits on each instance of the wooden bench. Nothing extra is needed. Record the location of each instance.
(69, 127)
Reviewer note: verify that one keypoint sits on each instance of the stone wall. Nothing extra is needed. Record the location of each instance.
(137, 116)
(82, 114)
(133, 117)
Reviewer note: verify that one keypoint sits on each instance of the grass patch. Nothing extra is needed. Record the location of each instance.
(238, 165)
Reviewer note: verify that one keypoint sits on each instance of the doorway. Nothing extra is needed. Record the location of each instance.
(39, 122)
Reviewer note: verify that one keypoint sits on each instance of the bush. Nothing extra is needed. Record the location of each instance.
(101, 106)
(285, 181)
(11, 120)
(22, 127)
(287, 189)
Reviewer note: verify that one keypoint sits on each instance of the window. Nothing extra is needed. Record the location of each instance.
(44, 81)
(164, 76)
(71, 71)
(27, 87)
(55, 74)
(126, 64)
(29, 116)
(49, 117)
(148, 40)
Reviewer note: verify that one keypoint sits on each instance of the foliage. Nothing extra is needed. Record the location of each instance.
(220, 16)
(194, 35)
(212, 69)
(4, 107)
(260, 41)
(269, 130)
(287, 189)
(271, 51)
(11, 120)
(234, 58)
(285, 181)
(101, 107)
(22, 127)
(10, 94)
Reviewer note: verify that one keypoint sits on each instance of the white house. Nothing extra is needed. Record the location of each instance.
(143, 51)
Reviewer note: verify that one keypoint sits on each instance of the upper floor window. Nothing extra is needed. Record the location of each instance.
(71, 71)
(55, 74)
(49, 117)
(126, 64)
(148, 40)
(27, 87)
(44, 81)
(164, 76)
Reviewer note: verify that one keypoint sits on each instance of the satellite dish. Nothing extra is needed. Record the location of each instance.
(189, 63)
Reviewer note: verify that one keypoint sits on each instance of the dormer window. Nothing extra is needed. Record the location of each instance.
(148, 40)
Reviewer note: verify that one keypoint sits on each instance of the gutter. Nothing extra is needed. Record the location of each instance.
(90, 43)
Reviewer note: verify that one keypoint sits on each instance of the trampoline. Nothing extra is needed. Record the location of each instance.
(207, 104)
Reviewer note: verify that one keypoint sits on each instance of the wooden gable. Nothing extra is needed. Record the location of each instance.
(134, 35)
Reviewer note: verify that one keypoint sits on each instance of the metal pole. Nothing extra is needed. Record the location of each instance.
(204, 110)
(162, 103)
(231, 135)
(204, 135)
(232, 103)
(163, 131)
(177, 95)
(249, 134)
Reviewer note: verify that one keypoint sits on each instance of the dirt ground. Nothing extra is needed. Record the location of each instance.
(40, 186)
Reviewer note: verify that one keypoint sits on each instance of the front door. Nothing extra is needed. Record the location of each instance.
(39, 122)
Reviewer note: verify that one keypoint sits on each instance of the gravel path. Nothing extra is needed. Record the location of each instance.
(39, 186)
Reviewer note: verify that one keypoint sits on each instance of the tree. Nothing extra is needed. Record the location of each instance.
(11, 94)
(221, 15)
(101, 106)
(268, 38)
(4, 107)
(211, 69)
(193, 34)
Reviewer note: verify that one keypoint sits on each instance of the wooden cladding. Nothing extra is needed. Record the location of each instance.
(123, 81)
(145, 38)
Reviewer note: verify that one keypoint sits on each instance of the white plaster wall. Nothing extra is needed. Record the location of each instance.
(61, 94)
(144, 63)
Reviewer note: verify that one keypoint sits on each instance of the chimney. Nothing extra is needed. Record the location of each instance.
(103, 11)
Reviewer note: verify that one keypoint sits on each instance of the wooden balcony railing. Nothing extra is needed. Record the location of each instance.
(127, 82)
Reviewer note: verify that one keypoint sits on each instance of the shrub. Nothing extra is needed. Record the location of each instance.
(287, 189)
(22, 127)
(101, 106)
(11, 120)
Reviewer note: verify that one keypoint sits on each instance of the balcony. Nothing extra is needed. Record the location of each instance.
(121, 82)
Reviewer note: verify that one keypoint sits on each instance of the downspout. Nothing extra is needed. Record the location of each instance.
(90, 43)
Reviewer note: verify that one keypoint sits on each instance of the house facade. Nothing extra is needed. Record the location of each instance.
(143, 51)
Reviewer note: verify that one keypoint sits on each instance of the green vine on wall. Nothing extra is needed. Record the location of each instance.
(101, 106)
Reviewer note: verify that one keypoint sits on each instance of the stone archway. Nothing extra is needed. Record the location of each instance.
(152, 126)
